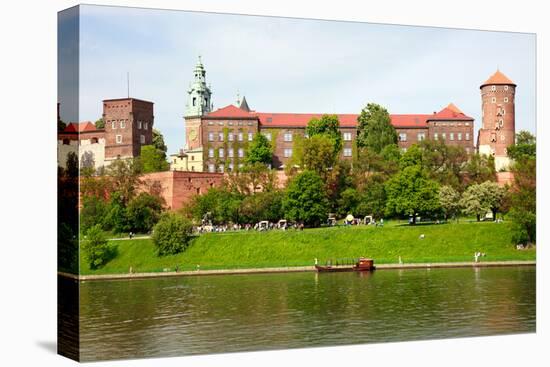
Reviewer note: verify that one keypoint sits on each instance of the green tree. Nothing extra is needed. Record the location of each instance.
(94, 210)
(153, 159)
(449, 199)
(221, 205)
(262, 206)
(100, 123)
(306, 200)
(144, 211)
(116, 218)
(473, 203)
(329, 126)
(444, 163)
(412, 157)
(375, 130)
(317, 154)
(411, 192)
(259, 150)
(124, 175)
(96, 248)
(172, 234)
(480, 168)
(525, 146)
(523, 199)
(158, 143)
(493, 195)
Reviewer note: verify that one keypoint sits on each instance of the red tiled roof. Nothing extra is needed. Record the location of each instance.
(266, 119)
(451, 112)
(73, 127)
(498, 78)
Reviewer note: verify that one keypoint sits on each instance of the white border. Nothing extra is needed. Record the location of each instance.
(28, 87)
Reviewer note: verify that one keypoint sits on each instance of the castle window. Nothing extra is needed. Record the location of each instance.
(287, 153)
(210, 152)
(467, 136)
(466, 124)
(459, 136)
(230, 137)
(220, 123)
(249, 123)
(210, 136)
(443, 136)
(436, 136)
(240, 136)
(220, 168)
(288, 136)
(210, 122)
(145, 125)
(347, 152)
(142, 139)
(194, 101)
(122, 124)
(250, 136)
(230, 152)
(139, 125)
(452, 136)
(241, 152)
(119, 139)
(421, 136)
(220, 152)
(494, 100)
(268, 136)
(402, 136)
(211, 168)
(94, 140)
(505, 99)
(347, 136)
(306, 135)
(220, 136)
(493, 88)
(66, 142)
(505, 87)
(113, 124)
(230, 123)
(230, 166)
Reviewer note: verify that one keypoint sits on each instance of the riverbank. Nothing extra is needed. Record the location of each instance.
(290, 270)
(442, 243)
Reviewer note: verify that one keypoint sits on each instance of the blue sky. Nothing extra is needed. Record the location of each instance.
(293, 65)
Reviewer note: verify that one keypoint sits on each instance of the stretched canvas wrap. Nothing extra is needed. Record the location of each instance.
(234, 183)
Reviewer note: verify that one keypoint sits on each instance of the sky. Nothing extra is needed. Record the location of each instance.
(292, 65)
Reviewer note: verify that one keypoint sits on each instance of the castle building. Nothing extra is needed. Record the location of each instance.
(498, 118)
(128, 126)
(224, 134)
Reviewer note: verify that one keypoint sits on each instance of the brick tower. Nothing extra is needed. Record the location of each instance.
(128, 126)
(498, 118)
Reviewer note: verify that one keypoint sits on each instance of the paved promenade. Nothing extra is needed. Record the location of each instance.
(290, 270)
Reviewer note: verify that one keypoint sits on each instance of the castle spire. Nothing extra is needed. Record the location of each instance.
(198, 100)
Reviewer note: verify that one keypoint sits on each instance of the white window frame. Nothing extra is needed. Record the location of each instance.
(459, 136)
(230, 136)
(240, 152)
(402, 136)
(210, 136)
(287, 152)
(145, 126)
(140, 124)
(420, 136)
(268, 136)
(444, 136)
(142, 139)
(113, 125)
(122, 124)
(436, 136)
(211, 168)
(230, 152)
(220, 136)
(118, 139)
(451, 136)
(221, 152)
(240, 136)
(210, 152)
(250, 136)
(348, 152)
(494, 100)
(467, 136)
(347, 136)
(288, 136)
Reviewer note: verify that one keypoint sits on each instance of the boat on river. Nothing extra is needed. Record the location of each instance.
(338, 265)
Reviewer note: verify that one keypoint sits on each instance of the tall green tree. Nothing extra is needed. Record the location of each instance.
(411, 192)
(525, 146)
(316, 153)
(329, 126)
(375, 130)
(480, 168)
(96, 247)
(478, 199)
(153, 159)
(124, 175)
(144, 211)
(158, 142)
(306, 200)
(449, 199)
(259, 150)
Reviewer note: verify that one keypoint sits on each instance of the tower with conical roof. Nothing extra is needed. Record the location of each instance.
(498, 118)
(199, 103)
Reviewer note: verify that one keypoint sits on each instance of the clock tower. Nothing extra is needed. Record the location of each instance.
(198, 104)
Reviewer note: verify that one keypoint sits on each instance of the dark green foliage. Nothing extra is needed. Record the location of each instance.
(67, 249)
(116, 218)
(259, 150)
(412, 157)
(524, 148)
(375, 130)
(523, 199)
(93, 212)
(306, 200)
(222, 206)
(100, 123)
(172, 233)
(262, 206)
(143, 212)
(411, 192)
(158, 143)
(480, 168)
(96, 248)
(317, 154)
(124, 177)
(153, 159)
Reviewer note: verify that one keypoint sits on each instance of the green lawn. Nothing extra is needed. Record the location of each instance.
(441, 243)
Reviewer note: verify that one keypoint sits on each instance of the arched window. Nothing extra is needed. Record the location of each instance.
(94, 140)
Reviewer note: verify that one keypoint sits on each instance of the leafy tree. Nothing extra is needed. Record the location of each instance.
(262, 206)
(96, 248)
(71, 165)
(144, 211)
(327, 125)
(523, 200)
(449, 199)
(67, 248)
(153, 159)
(94, 210)
(373, 198)
(100, 123)
(306, 199)
(116, 218)
(259, 150)
(480, 168)
(478, 199)
(412, 157)
(251, 178)
(525, 146)
(158, 143)
(61, 125)
(221, 205)
(411, 192)
(172, 234)
(124, 176)
(348, 202)
(375, 130)
(444, 163)
(317, 154)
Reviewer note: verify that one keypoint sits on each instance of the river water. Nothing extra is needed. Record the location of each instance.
(229, 313)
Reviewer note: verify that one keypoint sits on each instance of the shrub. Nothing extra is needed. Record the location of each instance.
(172, 233)
(96, 248)
(143, 212)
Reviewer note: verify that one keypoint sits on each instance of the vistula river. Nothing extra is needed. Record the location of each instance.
(229, 313)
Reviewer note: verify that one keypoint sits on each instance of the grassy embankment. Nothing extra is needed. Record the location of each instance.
(232, 250)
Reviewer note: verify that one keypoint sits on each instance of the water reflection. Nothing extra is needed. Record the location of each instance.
(207, 314)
